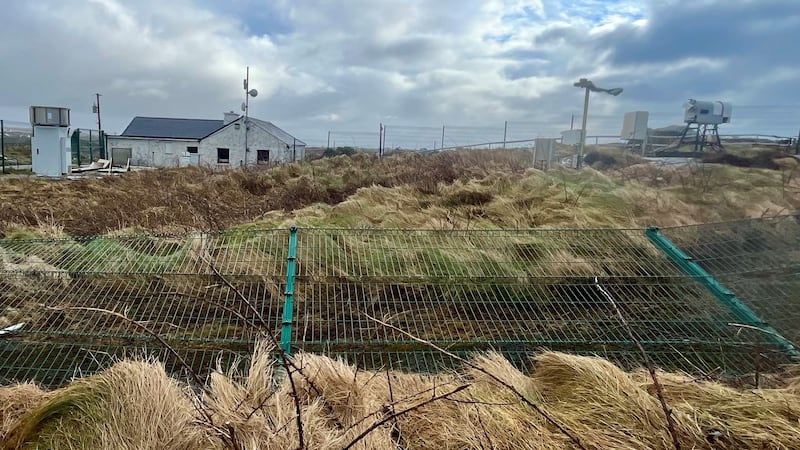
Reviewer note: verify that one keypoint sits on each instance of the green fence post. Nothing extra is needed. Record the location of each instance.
(288, 304)
(742, 312)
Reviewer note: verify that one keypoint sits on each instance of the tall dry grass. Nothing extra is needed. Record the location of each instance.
(134, 404)
(446, 190)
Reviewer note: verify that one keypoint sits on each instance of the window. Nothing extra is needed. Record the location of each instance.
(191, 149)
(262, 157)
(223, 155)
(704, 111)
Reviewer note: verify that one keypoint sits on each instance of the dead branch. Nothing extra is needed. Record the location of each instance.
(494, 377)
(401, 413)
(646, 359)
(161, 340)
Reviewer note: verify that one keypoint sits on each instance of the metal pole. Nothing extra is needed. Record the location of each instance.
(442, 136)
(583, 130)
(288, 304)
(797, 145)
(3, 144)
(246, 107)
(572, 122)
(644, 143)
(380, 140)
(384, 139)
(99, 126)
(329, 139)
(91, 154)
(505, 133)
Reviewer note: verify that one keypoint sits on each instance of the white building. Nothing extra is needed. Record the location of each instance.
(169, 142)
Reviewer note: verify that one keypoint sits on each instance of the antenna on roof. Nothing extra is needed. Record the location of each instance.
(245, 107)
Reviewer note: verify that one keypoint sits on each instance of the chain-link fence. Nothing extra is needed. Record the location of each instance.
(70, 306)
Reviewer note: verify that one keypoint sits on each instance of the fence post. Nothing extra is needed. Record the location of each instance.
(741, 311)
(3, 144)
(288, 304)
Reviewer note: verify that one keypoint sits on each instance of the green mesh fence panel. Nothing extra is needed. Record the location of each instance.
(514, 291)
(165, 283)
(759, 260)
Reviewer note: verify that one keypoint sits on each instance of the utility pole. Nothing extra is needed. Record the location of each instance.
(329, 139)
(505, 133)
(380, 140)
(96, 110)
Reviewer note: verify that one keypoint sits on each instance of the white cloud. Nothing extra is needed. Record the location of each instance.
(318, 64)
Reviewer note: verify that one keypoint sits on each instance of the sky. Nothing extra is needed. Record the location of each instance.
(413, 65)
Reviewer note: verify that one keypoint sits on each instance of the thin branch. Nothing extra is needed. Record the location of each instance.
(771, 333)
(161, 340)
(396, 434)
(400, 413)
(497, 379)
(284, 357)
(659, 391)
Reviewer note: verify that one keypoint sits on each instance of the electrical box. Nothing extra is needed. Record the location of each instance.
(49, 152)
(571, 137)
(707, 113)
(49, 116)
(634, 127)
(544, 152)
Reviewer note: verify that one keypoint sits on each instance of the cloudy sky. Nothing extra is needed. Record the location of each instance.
(347, 66)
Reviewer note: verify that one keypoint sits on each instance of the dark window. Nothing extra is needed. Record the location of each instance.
(262, 156)
(223, 155)
(704, 111)
(191, 149)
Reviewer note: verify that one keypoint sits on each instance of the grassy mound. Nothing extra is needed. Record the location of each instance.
(134, 404)
(445, 190)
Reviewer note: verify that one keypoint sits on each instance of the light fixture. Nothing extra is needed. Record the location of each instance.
(589, 86)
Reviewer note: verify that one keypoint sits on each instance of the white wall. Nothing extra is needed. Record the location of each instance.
(168, 152)
(153, 152)
(48, 151)
(233, 139)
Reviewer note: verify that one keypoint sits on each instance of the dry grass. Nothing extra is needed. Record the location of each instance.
(136, 405)
(447, 190)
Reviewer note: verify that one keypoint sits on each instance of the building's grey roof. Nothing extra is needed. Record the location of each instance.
(273, 129)
(162, 127)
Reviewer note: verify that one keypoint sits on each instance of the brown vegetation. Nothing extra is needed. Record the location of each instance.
(134, 404)
(451, 190)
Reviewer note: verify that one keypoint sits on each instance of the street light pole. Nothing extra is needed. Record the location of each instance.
(583, 129)
(589, 86)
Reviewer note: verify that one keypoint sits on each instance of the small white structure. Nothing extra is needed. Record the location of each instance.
(571, 137)
(706, 113)
(49, 154)
(235, 141)
(544, 152)
(634, 127)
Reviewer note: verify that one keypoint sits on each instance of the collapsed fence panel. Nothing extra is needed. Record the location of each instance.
(758, 260)
(71, 306)
(517, 292)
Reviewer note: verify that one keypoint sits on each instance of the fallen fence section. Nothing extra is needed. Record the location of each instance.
(349, 293)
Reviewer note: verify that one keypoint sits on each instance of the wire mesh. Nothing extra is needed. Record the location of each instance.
(759, 260)
(514, 291)
(53, 290)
